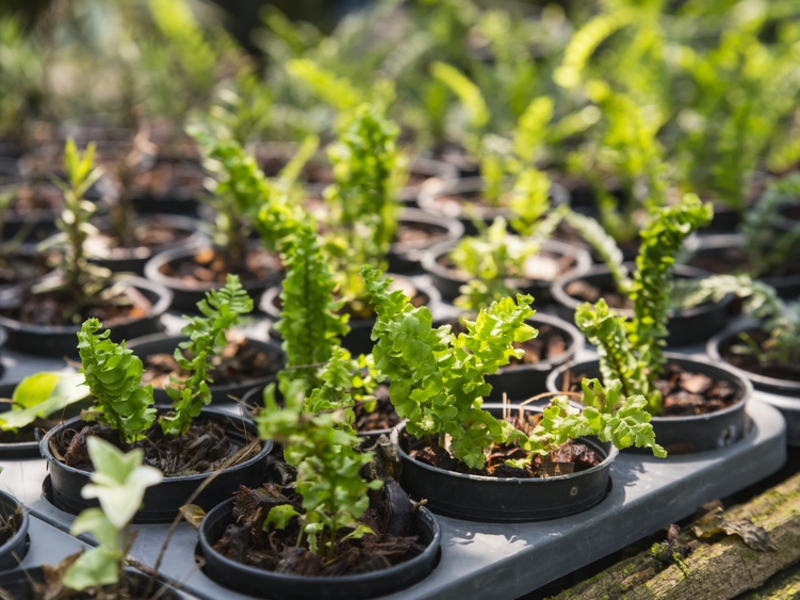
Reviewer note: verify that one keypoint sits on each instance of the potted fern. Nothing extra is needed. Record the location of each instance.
(490, 463)
(695, 405)
(43, 316)
(187, 441)
(662, 242)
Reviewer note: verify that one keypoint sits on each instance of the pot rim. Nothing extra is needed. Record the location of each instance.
(559, 293)
(24, 524)
(432, 548)
(266, 448)
(195, 227)
(610, 455)
(771, 384)
(156, 310)
(453, 228)
(745, 384)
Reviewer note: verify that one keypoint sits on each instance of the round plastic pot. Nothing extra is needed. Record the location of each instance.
(279, 586)
(52, 340)
(163, 501)
(358, 340)
(426, 169)
(783, 394)
(17, 544)
(406, 257)
(18, 583)
(176, 201)
(133, 260)
(186, 295)
(714, 246)
(448, 281)
(471, 187)
(686, 326)
(507, 499)
(710, 431)
(166, 344)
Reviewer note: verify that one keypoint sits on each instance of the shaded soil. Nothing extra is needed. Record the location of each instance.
(169, 179)
(411, 234)
(383, 417)
(272, 163)
(35, 197)
(544, 266)
(207, 446)
(586, 292)
(20, 268)
(147, 235)
(684, 393)
(59, 308)
(735, 259)
(570, 457)
(390, 517)
(213, 266)
(790, 211)
(239, 362)
(748, 362)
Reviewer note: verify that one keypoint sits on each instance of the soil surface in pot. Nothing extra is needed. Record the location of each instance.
(168, 178)
(213, 266)
(238, 362)
(418, 235)
(683, 393)
(586, 292)
(544, 266)
(390, 516)
(207, 446)
(35, 197)
(16, 268)
(116, 303)
(790, 211)
(749, 362)
(146, 235)
(383, 416)
(735, 259)
(570, 457)
(549, 344)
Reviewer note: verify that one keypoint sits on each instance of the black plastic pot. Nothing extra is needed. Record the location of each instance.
(177, 200)
(471, 187)
(18, 583)
(132, 260)
(358, 340)
(699, 432)
(45, 340)
(279, 586)
(429, 170)
(448, 281)
(162, 502)
(507, 499)
(17, 546)
(406, 257)
(686, 326)
(783, 394)
(166, 344)
(185, 295)
(711, 251)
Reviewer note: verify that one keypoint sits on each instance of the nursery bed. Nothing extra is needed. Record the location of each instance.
(482, 559)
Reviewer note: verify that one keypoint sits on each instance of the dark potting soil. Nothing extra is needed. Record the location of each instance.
(33, 197)
(14, 269)
(749, 362)
(570, 457)
(791, 211)
(382, 417)
(735, 259)
(166, 177)
(418, 235)
(586, 292)
(549, 344)
(207, 446)
(213, 266)
(544, 266)
(390, 516)
(59, 308)
(239, 361)
(146, 235)
(683, 393)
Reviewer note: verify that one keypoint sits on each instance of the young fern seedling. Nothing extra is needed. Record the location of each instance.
(118, 482)
(222, 309)
(318, 444)
(632, 351)
(114, 377)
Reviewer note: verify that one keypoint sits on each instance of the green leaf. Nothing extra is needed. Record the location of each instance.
(94, 568)
(280, 516)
